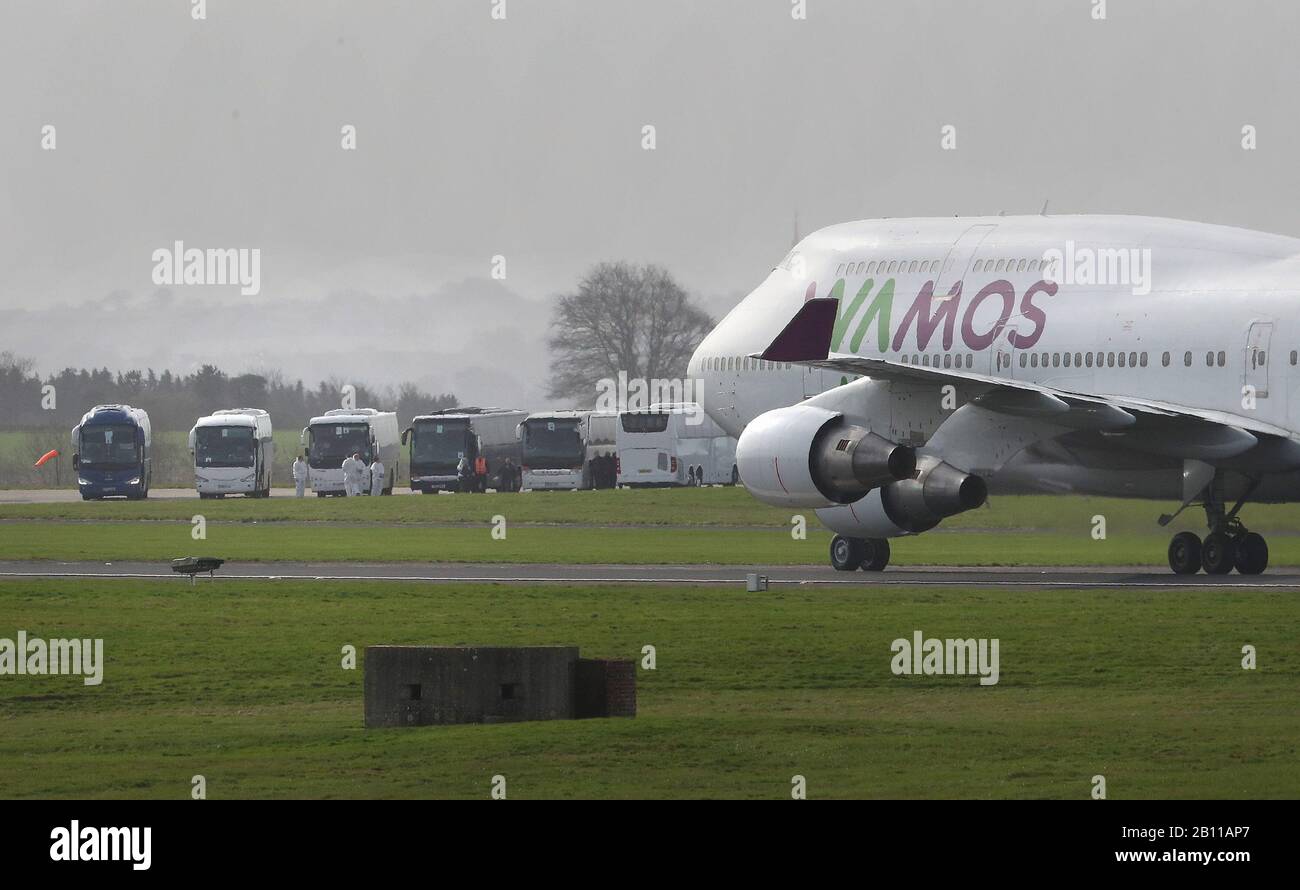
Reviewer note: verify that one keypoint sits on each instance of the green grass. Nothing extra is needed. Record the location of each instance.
(732, 507)
(241, 682)
(334, 542)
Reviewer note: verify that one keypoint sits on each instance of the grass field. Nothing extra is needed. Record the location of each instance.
(715, 525)
(241, 682)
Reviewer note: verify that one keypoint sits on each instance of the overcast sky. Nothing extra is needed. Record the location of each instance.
(523, 138)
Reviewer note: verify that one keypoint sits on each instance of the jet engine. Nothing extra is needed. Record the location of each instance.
(908, 506)
(804, 456)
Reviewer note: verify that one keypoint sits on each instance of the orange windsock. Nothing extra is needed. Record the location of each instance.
(53, 452)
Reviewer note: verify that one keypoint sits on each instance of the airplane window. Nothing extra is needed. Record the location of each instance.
(925, 265)
(861, 268)
(1209, 359)
(912, 268)
(1101, 357)
(979, 264)
(1023, 359)
(871, 267)
(1187, 359)
(903, 358)
(1045, 359)
(1261, 357)
(1088, 357)
(1065, 359)
(1110, 359)
(925, 360)
(936, 360)
(1164, 360)
(839, 270)
(969, 358)
(1132, 360)
(1293, 356)
(893, 265)
(1033, 360)
(1078, 360)
(1033, 265)
(1121, 359)
(947, 361)
(1222, 358)
(1020, 267)
(1056, 360)
(1001, 264)
(1143, 359)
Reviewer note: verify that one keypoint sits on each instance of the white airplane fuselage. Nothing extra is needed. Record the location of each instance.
(1191, 316)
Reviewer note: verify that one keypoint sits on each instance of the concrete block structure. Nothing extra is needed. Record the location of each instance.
(430, 685)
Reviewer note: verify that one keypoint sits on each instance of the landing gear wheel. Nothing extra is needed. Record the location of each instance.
(877, 554)
(1185, 554)
(1252, 554)
(847, 553)
(1218, 554)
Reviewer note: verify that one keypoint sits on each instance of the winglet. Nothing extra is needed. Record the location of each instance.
(807, 336)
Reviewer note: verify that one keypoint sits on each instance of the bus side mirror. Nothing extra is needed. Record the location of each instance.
(76, 460)
(302, 437)
(406, 434)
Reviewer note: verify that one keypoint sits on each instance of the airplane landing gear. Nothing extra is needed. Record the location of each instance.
(1229, 545)
(850, 554)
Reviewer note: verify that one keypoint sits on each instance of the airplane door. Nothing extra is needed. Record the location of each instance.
(1002, 353)
(1257, 358)
(812, 382)
(959, 257)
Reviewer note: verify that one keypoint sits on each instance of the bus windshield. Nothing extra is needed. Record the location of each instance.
(331, 443)
(439, 442)
(109, 446)
(553, 444)
(645, 423)
(223, 446)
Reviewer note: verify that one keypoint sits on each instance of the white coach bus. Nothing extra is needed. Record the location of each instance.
(674, 444)
(569, 449)
(233, 453)
(339, 434)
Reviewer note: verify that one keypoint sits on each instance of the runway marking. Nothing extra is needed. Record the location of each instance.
(790, 582)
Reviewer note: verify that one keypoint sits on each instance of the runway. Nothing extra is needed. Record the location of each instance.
(778, 576)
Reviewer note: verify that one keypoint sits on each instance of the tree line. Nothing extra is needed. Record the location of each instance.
(175, 401)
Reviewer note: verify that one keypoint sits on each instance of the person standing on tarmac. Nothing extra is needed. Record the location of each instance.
(463, 474)
(377, 478)
(352, 475)
(299, 476)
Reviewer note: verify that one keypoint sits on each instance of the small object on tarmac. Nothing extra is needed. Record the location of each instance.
(192, 565)
(755, 582)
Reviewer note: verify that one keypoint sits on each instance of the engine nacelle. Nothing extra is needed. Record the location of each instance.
(804, 456)
(909, 506)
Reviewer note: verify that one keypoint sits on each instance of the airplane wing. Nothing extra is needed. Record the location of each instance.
(1007, 415)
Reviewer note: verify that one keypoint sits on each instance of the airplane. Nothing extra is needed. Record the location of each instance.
(891, 373)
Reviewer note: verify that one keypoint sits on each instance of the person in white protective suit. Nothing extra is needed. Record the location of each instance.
(377, 477)
(352, 470)
(299, 476)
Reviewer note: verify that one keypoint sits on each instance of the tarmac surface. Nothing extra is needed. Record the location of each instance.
(778, 576)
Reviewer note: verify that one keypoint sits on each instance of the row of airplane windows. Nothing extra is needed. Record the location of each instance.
(1027, 360)
(931, 267)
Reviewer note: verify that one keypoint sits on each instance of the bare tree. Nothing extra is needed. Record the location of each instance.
(623, 317)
